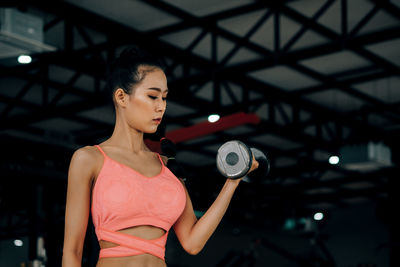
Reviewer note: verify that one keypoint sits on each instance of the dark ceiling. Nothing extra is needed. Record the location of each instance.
(320, 74)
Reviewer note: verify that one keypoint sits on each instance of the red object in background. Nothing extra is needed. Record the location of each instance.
(205, 128)
(153, 145)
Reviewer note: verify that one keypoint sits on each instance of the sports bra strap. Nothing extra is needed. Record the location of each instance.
(101, 150)
(160, 158)
(105, 155)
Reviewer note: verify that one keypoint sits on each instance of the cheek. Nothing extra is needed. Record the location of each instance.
(140, 106)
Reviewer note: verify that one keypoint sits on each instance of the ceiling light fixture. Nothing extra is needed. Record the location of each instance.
(24, 59)
(333, 160)
(213, 118)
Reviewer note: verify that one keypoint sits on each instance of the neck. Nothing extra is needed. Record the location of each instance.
(126, 137)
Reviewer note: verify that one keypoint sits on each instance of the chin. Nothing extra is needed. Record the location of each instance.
(150, 130)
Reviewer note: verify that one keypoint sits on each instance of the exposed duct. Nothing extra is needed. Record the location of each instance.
(21, 33)
(365, 157)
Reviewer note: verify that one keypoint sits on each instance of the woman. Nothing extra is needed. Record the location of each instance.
(133, 197)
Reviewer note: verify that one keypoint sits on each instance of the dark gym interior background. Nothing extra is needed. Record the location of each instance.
(322, 75)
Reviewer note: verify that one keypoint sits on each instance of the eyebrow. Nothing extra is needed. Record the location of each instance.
(157, 89)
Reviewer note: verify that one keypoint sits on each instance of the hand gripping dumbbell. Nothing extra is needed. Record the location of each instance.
(234, 161)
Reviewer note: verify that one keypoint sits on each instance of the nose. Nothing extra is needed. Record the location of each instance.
(161, 105)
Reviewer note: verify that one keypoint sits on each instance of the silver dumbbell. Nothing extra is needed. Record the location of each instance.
(234, 160)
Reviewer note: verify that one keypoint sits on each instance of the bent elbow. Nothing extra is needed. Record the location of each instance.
(193, 250)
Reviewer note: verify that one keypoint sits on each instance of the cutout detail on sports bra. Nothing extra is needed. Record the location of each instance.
(129, 245)
(153, 231)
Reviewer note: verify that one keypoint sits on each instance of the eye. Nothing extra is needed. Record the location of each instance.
(153, 97)
(164, 98)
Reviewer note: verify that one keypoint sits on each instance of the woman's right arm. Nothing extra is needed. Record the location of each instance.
(80, 176)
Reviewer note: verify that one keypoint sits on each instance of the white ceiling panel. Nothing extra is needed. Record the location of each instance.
(132, 13)
(263, 112)
(264, 36)
(206, 91)
(206, 7)
(357, 9)
(380, 21)
(387, 89)
(241, 25)
(389, 50)
(224, 47)
(284, 77)
(307, 8)
(182, 39)
(203, 48)
(309, 39)
(337, 62)
(243, 55)
(227, 99)
(336, 100)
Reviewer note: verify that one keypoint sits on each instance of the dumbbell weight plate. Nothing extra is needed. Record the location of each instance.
(234, 159)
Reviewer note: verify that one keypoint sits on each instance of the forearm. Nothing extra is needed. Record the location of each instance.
(206, 225)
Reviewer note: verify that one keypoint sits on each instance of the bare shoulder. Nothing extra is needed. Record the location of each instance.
(87, 159)
(86, 154)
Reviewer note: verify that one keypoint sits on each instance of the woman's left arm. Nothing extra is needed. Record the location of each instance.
(193, 233)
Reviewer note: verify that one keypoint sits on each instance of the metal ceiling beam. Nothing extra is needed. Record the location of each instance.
(344, 42)
(388, 6)
(314, 52)
(229, 70)
(206, 20)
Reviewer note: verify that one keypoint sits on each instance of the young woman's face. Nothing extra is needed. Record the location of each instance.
(147, 103)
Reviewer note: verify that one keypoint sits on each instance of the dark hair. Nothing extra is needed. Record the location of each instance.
(125, 71)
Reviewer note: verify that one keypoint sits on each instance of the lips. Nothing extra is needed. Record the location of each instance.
(158, 120)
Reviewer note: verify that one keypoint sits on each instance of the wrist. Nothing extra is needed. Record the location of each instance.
(233, 182)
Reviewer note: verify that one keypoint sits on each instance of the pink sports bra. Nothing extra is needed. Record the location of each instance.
(123, 198)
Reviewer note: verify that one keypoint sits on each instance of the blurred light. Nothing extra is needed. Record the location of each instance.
(213, 118)
(334, 160)
(198, 213)
(18, 243)
(24, 59)
(318, 216)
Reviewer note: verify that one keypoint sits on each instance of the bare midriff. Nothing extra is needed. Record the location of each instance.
(144, 260)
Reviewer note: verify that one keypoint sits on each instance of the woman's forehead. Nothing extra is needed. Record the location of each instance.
(155, 80)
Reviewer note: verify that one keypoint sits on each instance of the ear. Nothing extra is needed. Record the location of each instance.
(120, 97)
